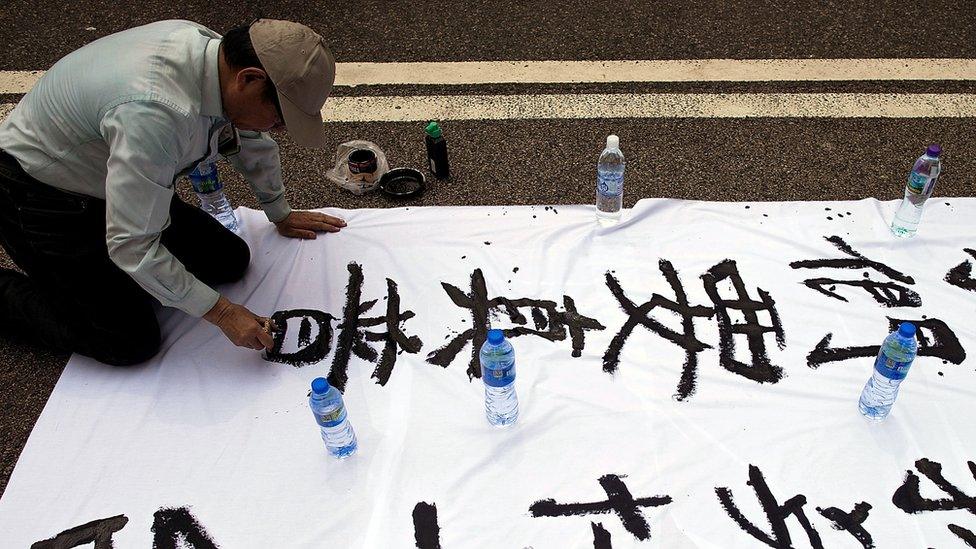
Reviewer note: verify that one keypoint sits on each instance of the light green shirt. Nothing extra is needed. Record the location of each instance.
(120, 119)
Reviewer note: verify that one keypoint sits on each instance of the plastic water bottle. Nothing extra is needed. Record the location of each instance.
(206, 183)
(890, 368)
(610, 182)
(330, 414)
(498, 373)
(921, 183)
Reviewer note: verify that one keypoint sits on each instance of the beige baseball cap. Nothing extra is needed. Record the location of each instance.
(302, 69)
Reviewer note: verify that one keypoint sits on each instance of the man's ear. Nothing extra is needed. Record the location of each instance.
(250, 75)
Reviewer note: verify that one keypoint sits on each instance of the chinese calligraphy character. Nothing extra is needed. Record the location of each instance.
(889, 294)
(776, 514)
(761, 369)
(943, 344)
(908, 496)
(308, 351)
(640, 316)
(352, 338)
(619, 500)
(547, 322)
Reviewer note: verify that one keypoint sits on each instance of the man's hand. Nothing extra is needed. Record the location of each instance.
(242, 327)
(302, 224)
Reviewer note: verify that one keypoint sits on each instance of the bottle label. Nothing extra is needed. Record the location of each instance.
(917, 183)
(500, 375)
(611, 184)
(331, 418)
(205, 183)
(891, 369)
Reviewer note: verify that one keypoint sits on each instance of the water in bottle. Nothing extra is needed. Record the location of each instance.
(921, 183)
(206, 183)
(498, 373)
(330, 414)
(890, 368)
(610, 182)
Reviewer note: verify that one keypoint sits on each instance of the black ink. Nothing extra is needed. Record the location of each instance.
(554, 325)
(487, 243)
(640, 316)
(909, 499)
(426, 532)
(761, 369)
(515, 270)
(309, 351)
(776, 514)
(619, 500)
(966, 535)
(851, 522)
(305, 333)
(98, 532)
(943, 344)
(962, 274)
(601, 538)
(353, 338)
(169, 525)
(889, 294)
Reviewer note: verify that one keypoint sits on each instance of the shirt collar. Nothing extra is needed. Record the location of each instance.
(212, 105)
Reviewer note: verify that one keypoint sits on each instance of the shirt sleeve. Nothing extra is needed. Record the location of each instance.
(145, 141)
(260, 165)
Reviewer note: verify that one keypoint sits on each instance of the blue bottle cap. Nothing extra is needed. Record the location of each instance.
(320, 386)
(495, 337)
(906, 329)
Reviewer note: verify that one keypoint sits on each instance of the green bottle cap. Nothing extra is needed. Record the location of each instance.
(433, 130)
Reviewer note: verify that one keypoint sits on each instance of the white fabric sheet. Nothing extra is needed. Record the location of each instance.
(228, 435)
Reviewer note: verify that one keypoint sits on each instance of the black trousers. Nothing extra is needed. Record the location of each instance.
(73, 297)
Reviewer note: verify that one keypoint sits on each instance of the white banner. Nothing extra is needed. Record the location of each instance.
(688, 378)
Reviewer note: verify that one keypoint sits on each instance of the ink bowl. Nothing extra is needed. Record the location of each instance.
(403, 183)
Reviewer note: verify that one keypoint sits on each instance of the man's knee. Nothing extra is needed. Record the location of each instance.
(237, 256)
(128, 346)
(240, 259)
(227, 263)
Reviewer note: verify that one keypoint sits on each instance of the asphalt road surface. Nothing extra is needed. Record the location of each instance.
(511, 159)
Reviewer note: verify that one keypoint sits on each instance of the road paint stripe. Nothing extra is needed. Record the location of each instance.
(662, 105)
(701, 70)
(571, 106)
(565, 72)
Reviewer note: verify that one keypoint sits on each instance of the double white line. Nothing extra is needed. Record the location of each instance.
(646, 105)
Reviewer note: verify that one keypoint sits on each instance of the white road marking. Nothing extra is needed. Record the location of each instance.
(557, 72)
(699, 70)
(661, 105)
(666, 105)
